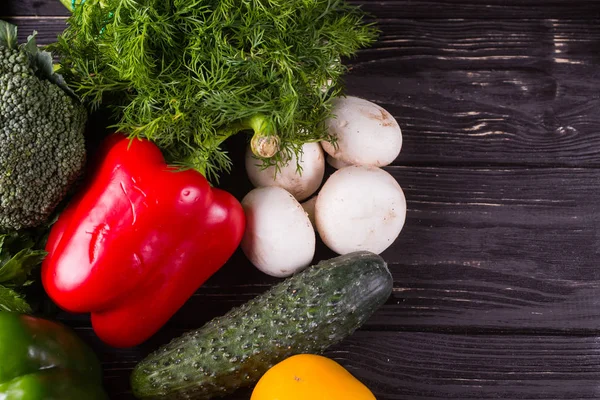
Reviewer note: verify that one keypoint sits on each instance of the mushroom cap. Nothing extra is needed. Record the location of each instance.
(366, 133)
(279, 239)
(360, 208)
(335, 163)
(301, 185)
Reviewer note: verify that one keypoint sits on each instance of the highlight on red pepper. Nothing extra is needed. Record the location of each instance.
(137, 241)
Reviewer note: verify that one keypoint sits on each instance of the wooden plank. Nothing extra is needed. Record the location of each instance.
(468, 92)
(471, 92)
(484, 249)
(32, 8)
(489, 9)
(47, 28)
(428, 366)
(442, 9)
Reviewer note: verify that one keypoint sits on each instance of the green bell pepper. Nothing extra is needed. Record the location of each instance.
(44, 360)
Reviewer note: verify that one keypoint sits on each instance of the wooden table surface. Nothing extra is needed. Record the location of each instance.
(497, 286)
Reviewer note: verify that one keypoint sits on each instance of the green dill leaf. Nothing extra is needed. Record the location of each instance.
(12, 301)
(188, 74)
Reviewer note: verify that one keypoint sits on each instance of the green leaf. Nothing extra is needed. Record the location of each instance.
(8, 35)
(59, 80)
(31, 45)
(17, 269)
(15, 241)
(13, 301)
(19, 255)
(43, 64)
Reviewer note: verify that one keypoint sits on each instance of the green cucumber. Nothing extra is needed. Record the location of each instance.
(306, 313)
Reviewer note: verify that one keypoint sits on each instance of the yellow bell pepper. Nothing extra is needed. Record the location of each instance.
(309, 377)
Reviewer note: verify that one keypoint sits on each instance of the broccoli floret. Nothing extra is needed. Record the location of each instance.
(42, 146)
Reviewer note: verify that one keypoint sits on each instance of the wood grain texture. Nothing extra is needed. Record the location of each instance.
(433, 366)
(47, 28)
(32, 8)
(440, 9)
(467, 91)
(470, 92)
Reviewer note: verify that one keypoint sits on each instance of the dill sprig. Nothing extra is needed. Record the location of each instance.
(188, 74)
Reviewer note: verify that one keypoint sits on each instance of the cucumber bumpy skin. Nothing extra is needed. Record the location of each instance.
(306, 313)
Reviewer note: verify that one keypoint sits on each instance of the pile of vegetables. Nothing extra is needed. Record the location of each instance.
(144, 228)
(359, 207)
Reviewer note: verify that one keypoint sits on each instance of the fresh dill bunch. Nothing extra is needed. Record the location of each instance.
(188, 74)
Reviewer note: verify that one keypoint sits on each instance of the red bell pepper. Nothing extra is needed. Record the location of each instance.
(137, 242)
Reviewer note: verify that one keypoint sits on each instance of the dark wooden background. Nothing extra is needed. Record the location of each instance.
(497, 286)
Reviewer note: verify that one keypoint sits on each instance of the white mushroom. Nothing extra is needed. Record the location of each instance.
(300, 184)
(366, 133)
(360, 208)
(279, 238)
